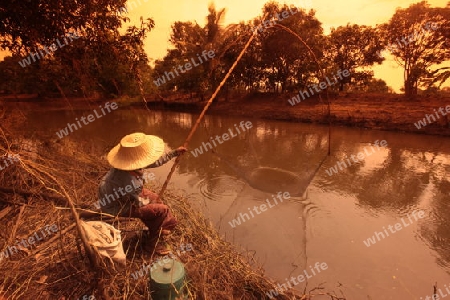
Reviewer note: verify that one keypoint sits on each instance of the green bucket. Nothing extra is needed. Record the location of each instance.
(167, 279)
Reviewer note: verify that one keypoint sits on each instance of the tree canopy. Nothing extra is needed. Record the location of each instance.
(96, 58)
(419, 39)
(276, 60)
(352, 48)
(71, 47)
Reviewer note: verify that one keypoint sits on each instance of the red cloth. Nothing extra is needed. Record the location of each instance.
(156, 215)
(147, 194)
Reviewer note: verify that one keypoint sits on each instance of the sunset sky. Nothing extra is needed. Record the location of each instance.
(330, 13)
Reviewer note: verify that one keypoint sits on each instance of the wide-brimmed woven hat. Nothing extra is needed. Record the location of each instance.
(136, 151)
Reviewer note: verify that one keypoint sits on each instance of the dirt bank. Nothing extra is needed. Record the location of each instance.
(372, 111)
(384, 111)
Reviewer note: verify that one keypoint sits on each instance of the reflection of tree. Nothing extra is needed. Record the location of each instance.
(399, 184)
(392, 186)
(436, 230)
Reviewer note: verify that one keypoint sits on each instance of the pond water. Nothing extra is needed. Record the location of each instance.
(379, 220)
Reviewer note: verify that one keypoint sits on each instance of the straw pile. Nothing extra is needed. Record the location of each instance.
(33, 194)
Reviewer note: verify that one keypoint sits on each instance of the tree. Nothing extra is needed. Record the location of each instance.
(351, 48)
(16, 80)
(418, 38)
(248, 74)
(189, 41)
(377, 86)
(372, 85)
(274, 60)
(25, 25)
(220, 39)
(287, 62)
(100, 59)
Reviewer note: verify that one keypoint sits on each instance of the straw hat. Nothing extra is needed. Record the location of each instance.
(136, 151)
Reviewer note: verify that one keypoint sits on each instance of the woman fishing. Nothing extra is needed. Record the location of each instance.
(122, 192)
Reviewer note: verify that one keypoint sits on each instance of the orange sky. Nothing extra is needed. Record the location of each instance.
(330, 13)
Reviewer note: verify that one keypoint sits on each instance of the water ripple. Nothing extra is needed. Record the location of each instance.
(220, 187)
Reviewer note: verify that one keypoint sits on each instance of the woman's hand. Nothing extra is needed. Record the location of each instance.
(154, 198)
(151, 196)
(181, 150)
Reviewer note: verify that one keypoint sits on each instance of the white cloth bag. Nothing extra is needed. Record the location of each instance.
(106, 239)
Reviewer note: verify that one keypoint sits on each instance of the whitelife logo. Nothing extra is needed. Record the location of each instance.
(86, 120)
(135, 184)
(11, 158)
(410, 38)
(225, 136)
(235, 222)
(436, 296)
(188, 66)
(423, 123)
(398, 226)
(48, 50)
(360, 156)
(268, 23)
(278, 17)
(297, 280)
(322, 85)
(31, 241)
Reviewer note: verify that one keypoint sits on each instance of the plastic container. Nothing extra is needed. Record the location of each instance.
(167, 280)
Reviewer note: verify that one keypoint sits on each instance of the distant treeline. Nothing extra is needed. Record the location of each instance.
(101, 61)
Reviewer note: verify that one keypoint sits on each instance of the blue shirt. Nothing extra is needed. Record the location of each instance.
(119, 189)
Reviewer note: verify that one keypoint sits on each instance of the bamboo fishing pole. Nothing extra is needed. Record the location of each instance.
(202, 114)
